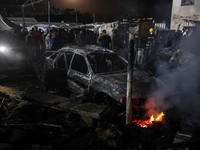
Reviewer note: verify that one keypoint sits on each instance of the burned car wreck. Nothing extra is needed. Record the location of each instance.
(92, 71)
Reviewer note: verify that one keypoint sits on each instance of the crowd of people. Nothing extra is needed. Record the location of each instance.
(157, 42)
(37, 41)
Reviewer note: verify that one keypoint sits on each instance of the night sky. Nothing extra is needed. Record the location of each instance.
(110, 10)
(116, 9)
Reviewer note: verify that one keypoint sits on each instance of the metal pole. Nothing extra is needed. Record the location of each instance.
(76, 17)
(49, 15)
(93, 17)
(129, 86)
(23, 6)
(29, 4)
(23, 17)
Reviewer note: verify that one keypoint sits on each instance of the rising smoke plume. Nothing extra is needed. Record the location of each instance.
(182, 90)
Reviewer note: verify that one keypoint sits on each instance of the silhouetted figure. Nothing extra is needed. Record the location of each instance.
(105, 40)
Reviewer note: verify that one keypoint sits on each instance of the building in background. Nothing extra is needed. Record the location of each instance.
(185, 13)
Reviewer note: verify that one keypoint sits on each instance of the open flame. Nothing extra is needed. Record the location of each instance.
(148, 123)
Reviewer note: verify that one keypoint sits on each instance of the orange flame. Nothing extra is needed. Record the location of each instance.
(152, 119)
(159, 118)
(146, 123)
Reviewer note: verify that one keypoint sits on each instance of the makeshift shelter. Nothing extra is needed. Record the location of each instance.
(3, 25)
(6, 31)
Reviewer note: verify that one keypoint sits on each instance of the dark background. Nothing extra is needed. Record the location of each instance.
(104, 10)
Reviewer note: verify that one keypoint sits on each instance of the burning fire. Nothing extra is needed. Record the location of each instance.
(148, 123)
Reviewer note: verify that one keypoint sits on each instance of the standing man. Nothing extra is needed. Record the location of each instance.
(47, 41)
(105, 40)
(52, 41)
(136, 43)
(30, 46)
(150, 44)
(151, 51)
(80, 38)
(37, 38)
(136, 40)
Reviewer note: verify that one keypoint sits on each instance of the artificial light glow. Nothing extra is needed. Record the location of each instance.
(2, 48)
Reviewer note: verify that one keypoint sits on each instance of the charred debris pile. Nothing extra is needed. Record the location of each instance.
(26, 125)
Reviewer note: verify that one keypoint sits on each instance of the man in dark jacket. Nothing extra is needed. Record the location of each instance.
(105, 40)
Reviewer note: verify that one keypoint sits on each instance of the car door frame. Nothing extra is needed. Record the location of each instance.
(54, 75)
(77, 81)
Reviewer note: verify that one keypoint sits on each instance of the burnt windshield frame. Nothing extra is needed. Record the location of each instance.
(61, 62)
(106, 63)
(69, 56)
(79, 64)
(47, 60)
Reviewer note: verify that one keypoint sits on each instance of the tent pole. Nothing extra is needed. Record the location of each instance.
(23, 18)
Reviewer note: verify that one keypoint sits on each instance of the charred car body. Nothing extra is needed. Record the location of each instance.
(93, 71)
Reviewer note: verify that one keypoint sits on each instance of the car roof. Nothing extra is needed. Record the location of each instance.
(85, 49)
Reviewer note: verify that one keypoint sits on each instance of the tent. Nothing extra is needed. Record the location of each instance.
(4, 26)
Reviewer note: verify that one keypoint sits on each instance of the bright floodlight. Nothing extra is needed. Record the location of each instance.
(2, 48)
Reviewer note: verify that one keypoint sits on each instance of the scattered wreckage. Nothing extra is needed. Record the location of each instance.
(25, 125)
(49, 128)
(182, 59)
(92, 71)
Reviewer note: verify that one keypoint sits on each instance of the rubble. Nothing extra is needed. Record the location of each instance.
(181, 59)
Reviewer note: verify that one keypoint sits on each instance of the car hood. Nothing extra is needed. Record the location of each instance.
(142, 82)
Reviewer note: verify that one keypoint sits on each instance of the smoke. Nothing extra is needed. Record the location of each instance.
(182, 88)
(12, 59)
